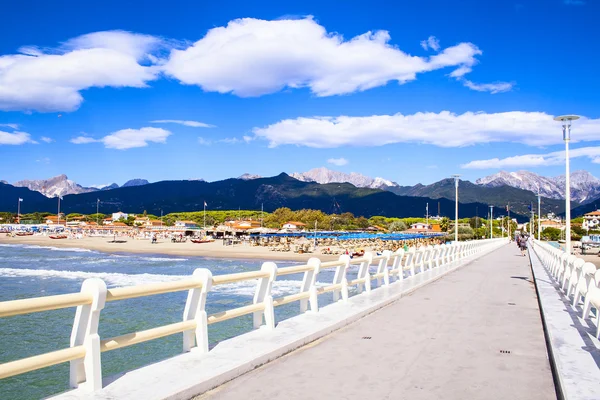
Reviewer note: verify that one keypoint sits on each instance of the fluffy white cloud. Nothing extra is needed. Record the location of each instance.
(493, 88)
(193, 124)
(204, 142)
(46, 139)
(252, 57)
(535, 160)
(51, 80)
(431, 43)
(444, 129)
(12, 126)
(338, 161)
(130, 138)
(15, 138)
(127, 138)
(83, 140)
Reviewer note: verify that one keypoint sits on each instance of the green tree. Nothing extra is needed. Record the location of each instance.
(445, 224)
(397, 226)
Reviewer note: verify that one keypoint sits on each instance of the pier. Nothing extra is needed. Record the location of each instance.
(466, 320)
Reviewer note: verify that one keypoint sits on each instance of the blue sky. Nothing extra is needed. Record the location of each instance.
(412, 92)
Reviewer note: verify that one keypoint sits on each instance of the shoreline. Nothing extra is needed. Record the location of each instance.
(164, 247)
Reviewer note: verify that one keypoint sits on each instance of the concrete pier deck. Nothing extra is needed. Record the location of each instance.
(474, 334)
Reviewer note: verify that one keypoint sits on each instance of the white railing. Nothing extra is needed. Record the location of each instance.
(86, 346)
(575, 277)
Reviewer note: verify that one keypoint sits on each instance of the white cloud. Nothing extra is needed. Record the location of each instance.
(535, 160)
(83, 140)
(338, 161)
(13, 126)
(493, 88)
(51, 80)
(46, 139)
(204, 142)
(431, 43)
(130, 138)
(193, 124)
(44, 160)
(252, 57)
(15, 138)
(444, 129)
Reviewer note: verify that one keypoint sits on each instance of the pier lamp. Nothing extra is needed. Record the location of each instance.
(566, 125)
(455, 176)
(491, 222)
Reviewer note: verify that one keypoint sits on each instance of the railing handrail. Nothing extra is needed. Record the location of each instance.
(85, 342)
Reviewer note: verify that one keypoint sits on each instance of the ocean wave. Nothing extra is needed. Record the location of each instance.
(161, 259)
(113, 279)
(52, 248)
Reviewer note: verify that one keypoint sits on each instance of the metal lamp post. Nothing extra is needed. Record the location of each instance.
(491, 222)
(566, 125)
(539, 214)
(456, 207)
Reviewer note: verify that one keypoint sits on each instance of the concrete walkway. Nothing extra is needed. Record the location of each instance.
(474, 334)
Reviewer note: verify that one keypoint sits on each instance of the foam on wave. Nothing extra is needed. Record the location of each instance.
(246, 288)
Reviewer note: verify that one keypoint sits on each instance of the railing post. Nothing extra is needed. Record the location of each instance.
(397, 264)
(431, 250)
(382, 267)
(309, 285)
(410, 260)
(340, 278)
(363, 273)
(85, 332)
(195, 309)
(263, 295)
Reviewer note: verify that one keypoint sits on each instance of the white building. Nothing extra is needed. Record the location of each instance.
(186, 224)
(293, 225)
(591, 220)
(119, 215)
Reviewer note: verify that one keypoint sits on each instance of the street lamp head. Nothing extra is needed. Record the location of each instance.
(456, 179)
(566, 124)
(567, 118)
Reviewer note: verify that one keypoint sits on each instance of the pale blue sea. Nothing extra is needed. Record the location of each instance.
(30, 271)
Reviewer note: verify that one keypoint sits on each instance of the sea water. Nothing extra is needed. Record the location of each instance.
(32, 271)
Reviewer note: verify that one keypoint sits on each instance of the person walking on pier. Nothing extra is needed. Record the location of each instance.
(522, 242)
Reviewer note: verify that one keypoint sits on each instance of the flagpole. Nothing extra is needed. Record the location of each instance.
(58, 215)
(97, 206)
(19, 210)
(205, 216)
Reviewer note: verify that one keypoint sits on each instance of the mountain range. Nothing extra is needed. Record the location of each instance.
(584, 186)
(61, 185)
(271, 193)
(497, 190)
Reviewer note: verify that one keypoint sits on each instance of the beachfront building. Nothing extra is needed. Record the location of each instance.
(107, 221)
(119, 215)
(53, 220)
(141, 221)
(591, 220)
(421, 227)
(293, 225)
(186, 224)
(550, 223)
(243, 225)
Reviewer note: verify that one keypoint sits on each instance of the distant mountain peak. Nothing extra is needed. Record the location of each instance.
(325, 175)
(248, 177)
(135, 182)
(56, 186)
(584, 186)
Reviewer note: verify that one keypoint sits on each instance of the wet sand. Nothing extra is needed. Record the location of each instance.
(215, 249)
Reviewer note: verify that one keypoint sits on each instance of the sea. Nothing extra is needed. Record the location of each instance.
(32, 271)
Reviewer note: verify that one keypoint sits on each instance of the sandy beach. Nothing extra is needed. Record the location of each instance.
(215, 249)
